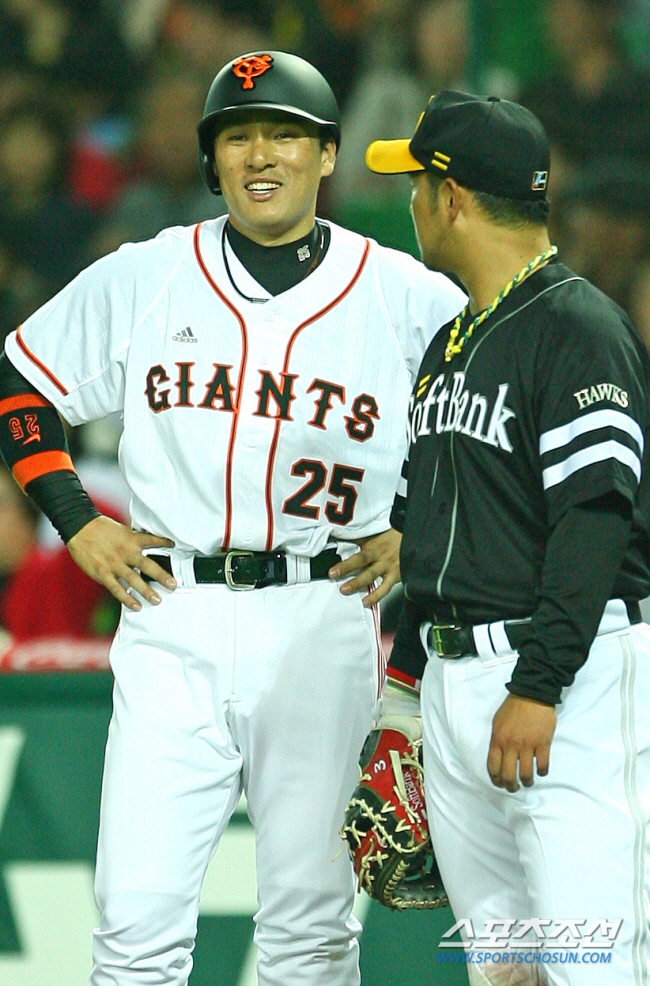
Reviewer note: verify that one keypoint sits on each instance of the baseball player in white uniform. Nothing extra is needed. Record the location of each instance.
(262, 362)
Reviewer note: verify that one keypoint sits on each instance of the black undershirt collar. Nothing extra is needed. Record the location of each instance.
(277, 268)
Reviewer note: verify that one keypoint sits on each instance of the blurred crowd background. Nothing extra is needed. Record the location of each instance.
(99, 101)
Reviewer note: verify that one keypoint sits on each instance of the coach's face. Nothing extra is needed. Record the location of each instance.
(270, 166)
(427, 220)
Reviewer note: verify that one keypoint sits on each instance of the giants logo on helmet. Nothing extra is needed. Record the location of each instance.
(249, 67)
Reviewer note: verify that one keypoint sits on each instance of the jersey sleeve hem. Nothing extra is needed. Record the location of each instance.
(558, 505)
(38, 375)
(46, 383)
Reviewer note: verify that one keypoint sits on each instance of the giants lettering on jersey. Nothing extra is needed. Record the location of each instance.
(456, 409)
(275, 397)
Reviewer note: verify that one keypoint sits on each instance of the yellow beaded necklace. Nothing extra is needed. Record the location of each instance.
(454, 347)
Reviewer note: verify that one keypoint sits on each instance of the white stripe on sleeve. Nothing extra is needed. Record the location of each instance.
(587, 457)
(557, 437)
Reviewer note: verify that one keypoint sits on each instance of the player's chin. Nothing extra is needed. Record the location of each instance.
(430, 258)
(434, 263)
(268, 215)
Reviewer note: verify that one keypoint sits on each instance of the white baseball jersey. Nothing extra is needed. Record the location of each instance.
(247, 425)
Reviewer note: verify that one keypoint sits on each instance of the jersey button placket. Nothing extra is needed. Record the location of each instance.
(441, 492)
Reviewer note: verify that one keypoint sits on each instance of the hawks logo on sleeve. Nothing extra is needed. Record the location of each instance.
(592, 423)
(606, 437)
(601, 392)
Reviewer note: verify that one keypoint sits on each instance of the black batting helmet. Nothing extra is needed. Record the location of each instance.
(265, 80)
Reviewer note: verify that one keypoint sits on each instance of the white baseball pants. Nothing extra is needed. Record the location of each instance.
(573, 846)
(272, 690)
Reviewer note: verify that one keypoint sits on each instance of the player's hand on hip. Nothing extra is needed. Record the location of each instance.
(110, 553)
(377, 559)
(522, 731)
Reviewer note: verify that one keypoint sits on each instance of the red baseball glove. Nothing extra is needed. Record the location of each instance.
(386, 825)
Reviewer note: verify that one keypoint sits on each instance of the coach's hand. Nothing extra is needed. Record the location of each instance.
(377, 559)
(522, 731)
(109, 551)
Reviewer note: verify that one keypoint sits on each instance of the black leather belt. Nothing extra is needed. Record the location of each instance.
(452, 640)
(249, 569)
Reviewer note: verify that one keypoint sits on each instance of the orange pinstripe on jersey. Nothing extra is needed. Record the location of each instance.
(240, 385)
(285, 369)
(34, 359)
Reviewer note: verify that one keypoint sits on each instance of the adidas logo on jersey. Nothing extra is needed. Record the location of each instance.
(185, 335)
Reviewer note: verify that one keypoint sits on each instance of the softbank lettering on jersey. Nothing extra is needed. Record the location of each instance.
(455, 409)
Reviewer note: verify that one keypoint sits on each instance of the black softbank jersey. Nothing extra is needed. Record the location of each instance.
(546, 407)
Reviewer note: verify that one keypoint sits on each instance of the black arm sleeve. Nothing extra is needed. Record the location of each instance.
(13, 383)
(584, 554)
(35, 429)
(408, 654)
(64, 502)
(398, 512)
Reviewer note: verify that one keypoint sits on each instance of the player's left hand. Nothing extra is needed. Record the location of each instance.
(377, 559)
(522, 731)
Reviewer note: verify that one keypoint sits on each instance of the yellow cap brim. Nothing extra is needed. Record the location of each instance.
(392, 157)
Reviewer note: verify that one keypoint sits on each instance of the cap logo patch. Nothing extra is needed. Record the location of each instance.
(440, 160)
(540, 179)
(249, 68)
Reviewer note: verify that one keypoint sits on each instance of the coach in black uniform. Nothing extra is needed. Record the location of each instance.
(525, 553)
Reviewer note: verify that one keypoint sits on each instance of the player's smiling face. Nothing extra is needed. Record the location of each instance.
(270, 166)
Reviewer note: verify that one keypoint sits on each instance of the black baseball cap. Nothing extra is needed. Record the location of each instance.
(485, 143)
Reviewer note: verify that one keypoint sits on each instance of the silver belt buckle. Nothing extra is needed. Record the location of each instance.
(228, 572)
(443, 639)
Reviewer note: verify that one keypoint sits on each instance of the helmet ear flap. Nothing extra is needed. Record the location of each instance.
(207, 166)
